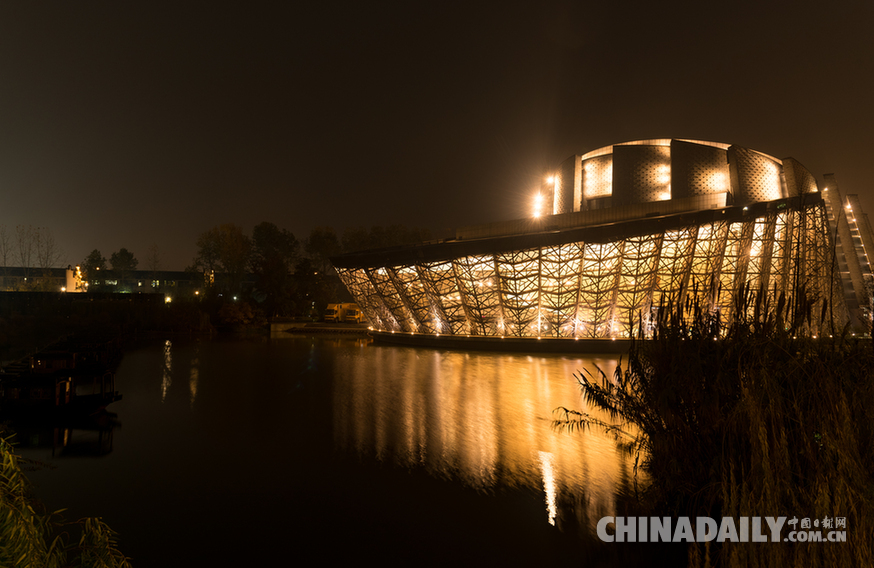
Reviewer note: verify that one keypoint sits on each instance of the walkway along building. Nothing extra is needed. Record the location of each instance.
(632, 227)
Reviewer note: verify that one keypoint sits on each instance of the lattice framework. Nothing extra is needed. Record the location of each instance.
(607, 289)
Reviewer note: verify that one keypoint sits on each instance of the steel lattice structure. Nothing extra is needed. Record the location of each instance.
(604, 272)
(591, 289)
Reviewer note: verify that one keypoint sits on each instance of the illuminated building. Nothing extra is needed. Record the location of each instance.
(633, 227)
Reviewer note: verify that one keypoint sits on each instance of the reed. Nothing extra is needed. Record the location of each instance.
(752, 418)
(32, 537)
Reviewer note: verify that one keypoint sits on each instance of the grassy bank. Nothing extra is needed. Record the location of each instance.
(31, 536)
(756, 419)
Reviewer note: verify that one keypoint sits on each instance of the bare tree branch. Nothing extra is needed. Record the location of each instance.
(25, 238)
(48, 254)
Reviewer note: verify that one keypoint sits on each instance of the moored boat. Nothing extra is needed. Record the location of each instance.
(66, 379)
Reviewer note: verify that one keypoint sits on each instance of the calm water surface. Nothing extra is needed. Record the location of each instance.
(307, 449)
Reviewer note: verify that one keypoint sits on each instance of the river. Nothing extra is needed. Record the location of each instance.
(236, 452)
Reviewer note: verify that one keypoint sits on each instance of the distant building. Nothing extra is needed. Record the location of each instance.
(149, 281)
(619, 233)
(16, 278)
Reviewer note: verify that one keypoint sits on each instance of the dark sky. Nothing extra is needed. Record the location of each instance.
(124, 124)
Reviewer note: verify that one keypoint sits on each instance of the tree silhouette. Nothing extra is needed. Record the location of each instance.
(274, 253)
(123, 263)
(224, 248)
(92, 265)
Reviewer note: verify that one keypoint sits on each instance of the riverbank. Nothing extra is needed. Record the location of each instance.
(283, 325)
(760, 418)
(515, 344)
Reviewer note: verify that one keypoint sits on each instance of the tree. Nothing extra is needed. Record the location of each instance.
(274, 253)
(92, 265)
(6, 252)
(123, 263)
(358, 238)
(308, 290)
(208, 244)
(272, 244)
(234, 254)
(48, 254)
(123, 260)
(316, 277)
(153, 258)
(321, 245)
(153, 262)
(24, 242)
(224, 248)
(355, 239)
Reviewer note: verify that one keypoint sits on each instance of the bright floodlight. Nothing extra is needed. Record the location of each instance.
(538, 205)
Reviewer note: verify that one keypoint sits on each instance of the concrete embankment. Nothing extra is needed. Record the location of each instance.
(317, 327)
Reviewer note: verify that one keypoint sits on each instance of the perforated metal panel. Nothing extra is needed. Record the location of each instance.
(698, 170)
(641, 174)
(598, 177)
(807, 184)
(754, 176)
(568, 186)
(798, 179)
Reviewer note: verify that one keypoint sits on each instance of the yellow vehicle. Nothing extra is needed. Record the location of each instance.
(354, 314)
(338, 312)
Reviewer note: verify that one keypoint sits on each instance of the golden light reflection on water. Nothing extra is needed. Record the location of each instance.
(194, 377)
(166, 371)
(483, 418)
(548, 484)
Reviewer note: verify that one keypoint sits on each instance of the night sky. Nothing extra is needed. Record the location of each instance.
(124, 124)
